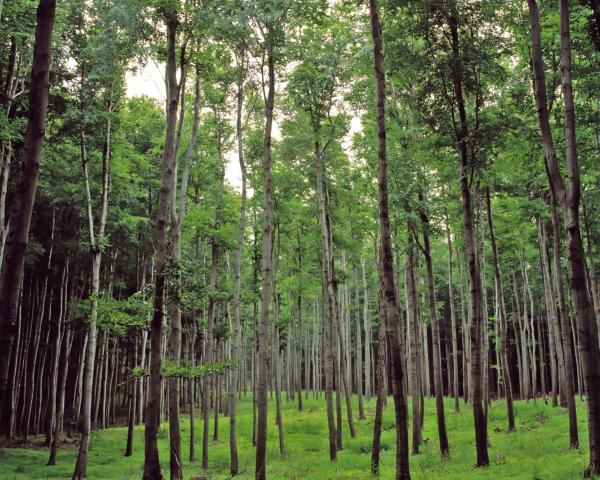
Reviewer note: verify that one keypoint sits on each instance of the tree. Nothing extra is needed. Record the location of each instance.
(151, 460)
(17, 239)
(391, 306)
(568, 197)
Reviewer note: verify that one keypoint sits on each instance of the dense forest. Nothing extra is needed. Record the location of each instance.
(376, 220)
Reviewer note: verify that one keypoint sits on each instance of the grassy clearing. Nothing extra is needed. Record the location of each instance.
(538, 450)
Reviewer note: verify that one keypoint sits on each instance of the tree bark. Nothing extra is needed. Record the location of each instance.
(586, 323)
(503, 347)
(16, 242)
(177, 218)
(66, 351)
(454, 334)
(263, 337)
(380, 402)
(237, 328)
(152, 469)
(392, 311)
(435, 334)
(96, 239)
(414, 334)
(475, 307)
(558, 194)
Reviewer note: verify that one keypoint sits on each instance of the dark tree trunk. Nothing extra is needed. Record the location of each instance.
(392, 311)
(435, 334)
(380, 402)
(557, 194)
(132, 403)
(18, 237)
(587, 328)
(455, 382)
(55, 341)
(475, 305)
(152, 418)
(412, 315)
(210, 351)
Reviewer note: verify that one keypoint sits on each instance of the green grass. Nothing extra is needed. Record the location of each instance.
(538, 450)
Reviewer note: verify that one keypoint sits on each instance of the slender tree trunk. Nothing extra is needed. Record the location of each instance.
(503, 347)
(392, 311)
(359, 353)
(132, 406)
(263, 330)
(66, 351)
(415, 357)
(435, 334)
(56, 338)
(475, 306)
(152, 469)
(210, 352)
(556, 350)
(367, 327)
(454, 334)
(380, 403)
(557, 194)
(80, 471)
(16, 242)
(330, 306)
(177, 218)
(237, 328)
(276, 355)
(586, 323)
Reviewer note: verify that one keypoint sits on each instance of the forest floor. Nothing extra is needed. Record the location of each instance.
(538, 450)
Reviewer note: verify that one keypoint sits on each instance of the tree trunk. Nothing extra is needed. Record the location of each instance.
(18, 237)
(470, 245)
(359, 353)
(556, 350)
(96, 250)
(503, 346)
(414, 334)
(586, 322)
(152, 418)
(392, 311)
(56, 338)
(132, 405)
(237, 328)
(454, 334)
(435, 334)
(263, 330)
(330, 303)
(380, 403)
(367, 327)
(557, 194)
(66, 351)
(177, 218)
